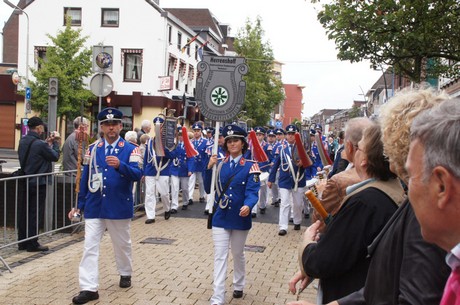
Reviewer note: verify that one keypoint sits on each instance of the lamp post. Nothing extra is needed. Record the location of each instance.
(18, 10)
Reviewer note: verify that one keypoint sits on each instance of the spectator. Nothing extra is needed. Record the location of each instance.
(70, 147)
(41, 154)
(146, 126)
(339, 256)
(434, 184)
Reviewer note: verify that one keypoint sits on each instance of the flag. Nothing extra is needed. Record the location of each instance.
(200, 50)
(189, 41)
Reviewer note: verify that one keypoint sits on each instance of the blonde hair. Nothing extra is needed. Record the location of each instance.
(396, 118)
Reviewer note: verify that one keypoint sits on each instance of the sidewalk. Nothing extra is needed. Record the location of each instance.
(176, 273)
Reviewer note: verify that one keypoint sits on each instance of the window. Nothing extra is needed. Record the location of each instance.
(169, 34)
(74, 13)
(39, 53)
(110, 17)
(132, 60)
(179, 40)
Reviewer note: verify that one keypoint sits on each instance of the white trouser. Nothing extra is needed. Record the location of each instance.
(223, 239)
(262, 203)
(197, 176)
(275, 189)
(152, 184)
(119, 230)
(285, 206)
(178, 183)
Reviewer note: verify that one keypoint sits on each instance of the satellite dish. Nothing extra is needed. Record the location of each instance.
(101, 85)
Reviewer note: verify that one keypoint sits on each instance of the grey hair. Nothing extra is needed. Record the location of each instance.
(354, 129)
(146, 123)
(78, 120)
(438, 130)
(131, 136)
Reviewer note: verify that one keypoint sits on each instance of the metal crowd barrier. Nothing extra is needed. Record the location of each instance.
(60, 198)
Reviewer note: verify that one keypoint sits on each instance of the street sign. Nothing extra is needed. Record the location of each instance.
(102, 58)
(220, 90)
(101, 85)
(28, 93)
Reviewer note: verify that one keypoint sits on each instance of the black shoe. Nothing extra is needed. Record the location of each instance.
(291, 220)
(262, 211)
(149, 221)
(277, 204)
(173, 211)
(167, 215)
(297, 227)
(254, 215)
(85, 296)
(202, 200)
(125, 281)
(22, 247)
(206, 212)
(237, 294)
(184, 207)
(190, 202)
(37, 248)
(307, 215)
(282, 232)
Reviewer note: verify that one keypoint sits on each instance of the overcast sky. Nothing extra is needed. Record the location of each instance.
(298, 41)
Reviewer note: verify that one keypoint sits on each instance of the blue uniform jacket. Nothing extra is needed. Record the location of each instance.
(243, 190)
(317, 159)
(181, 165)
(286, 180)
(115, 200)
(163, 163)
(201, 159)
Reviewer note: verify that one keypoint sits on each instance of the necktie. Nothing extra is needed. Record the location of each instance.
(451, 293)
(232, 164)
(109, 150)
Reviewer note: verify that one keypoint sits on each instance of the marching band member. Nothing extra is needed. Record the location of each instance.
(111, 166)
(156, 175)
(280, 141)
(181, 170)
(208, 172)
(200, 145)
(237, 187)
(265, 168)
(292, 180)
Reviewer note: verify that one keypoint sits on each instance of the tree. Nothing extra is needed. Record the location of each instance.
(419, 38)
(70, 62)
(354, 112)
(264, 91)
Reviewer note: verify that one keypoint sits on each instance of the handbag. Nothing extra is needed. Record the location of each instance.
(20, 171)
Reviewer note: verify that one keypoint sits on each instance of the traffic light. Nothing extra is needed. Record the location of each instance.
(53, 86)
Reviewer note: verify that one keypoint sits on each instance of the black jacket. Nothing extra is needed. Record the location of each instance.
(339, 259)
(40, 158)
(404, 269)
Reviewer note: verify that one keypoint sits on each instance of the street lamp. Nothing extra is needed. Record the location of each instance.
(19, 11)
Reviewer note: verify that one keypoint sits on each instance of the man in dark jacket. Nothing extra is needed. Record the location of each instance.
(39, 161)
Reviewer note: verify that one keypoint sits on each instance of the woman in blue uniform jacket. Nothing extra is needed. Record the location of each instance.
(237, 188)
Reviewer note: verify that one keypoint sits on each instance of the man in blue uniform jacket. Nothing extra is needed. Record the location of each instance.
(111, 166)
(292, 180)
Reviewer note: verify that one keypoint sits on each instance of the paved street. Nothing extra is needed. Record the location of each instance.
(176, 270)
